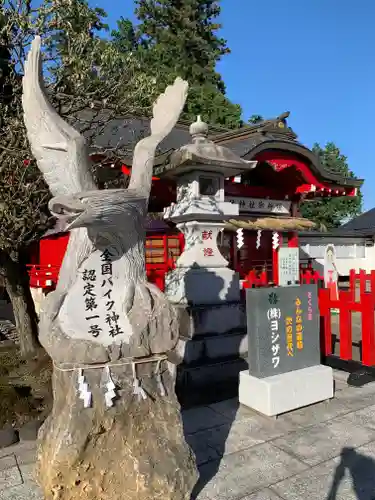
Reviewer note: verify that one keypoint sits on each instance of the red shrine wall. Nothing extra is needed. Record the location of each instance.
(279, 176)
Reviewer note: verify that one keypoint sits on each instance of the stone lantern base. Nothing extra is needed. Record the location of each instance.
(202, 285)
(213, 341)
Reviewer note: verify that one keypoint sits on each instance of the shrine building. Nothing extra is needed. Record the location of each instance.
(269, 176)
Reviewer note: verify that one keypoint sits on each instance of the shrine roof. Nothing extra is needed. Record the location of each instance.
(364, 223)
(121, 134)
(273, 135)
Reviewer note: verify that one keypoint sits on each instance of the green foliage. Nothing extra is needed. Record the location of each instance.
(331, 212)
(255, 119)
(90, 82)
(70, 29)
(183, 34)
(213, 106)
(124, 37)
(179, 38)
(5, 61)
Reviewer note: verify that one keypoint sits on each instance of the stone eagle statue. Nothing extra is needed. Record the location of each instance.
(104, 325)
(102, 276)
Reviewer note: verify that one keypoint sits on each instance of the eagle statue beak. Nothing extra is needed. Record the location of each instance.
(101, 210)
(68, 209)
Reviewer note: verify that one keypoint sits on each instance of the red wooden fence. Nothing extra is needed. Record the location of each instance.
(346, 305)
(161, 255)
(43, 276)
(309, 276)
(256, 278)
(362, 279)
(259, 277)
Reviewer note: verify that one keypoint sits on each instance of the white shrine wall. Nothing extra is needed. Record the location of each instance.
(351, 253)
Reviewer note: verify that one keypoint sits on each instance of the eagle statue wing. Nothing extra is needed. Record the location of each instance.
(59, 149)
(166, 112)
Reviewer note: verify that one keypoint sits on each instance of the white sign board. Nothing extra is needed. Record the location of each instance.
(288, 266)
(93, 308)
(262, 205)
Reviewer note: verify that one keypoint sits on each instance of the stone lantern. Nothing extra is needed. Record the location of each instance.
(201, 277)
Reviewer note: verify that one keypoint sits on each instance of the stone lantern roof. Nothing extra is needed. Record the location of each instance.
(203, 154)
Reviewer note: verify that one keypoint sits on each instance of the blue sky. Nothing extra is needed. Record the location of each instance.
(314, 58)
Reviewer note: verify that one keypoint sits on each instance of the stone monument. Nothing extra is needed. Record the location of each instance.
(284, 354)
(115, 430)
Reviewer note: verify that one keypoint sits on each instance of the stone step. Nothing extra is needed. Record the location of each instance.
(198, 320)
(207, 348)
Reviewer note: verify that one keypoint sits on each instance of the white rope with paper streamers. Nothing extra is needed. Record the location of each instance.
(259, 234)
(275, 240)
(240, 239)
(137, 388)
(110, 393)
(83, 388)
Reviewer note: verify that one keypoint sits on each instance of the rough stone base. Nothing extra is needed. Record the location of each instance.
(135, 450)
(288, 391)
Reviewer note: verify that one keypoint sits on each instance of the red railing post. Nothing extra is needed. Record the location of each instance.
(263, 277)
(368, 329)
(252, 277)
(316, 277)
(325, 322)
(165, 249)
(362, 281)
(345, 326)
(352, 284)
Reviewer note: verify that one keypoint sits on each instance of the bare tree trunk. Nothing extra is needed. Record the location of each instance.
(17, 286)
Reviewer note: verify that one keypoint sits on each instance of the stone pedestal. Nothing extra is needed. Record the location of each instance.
(207, 295)
(281, 393)
(201, 275)
(197, 321)
(202, 285)
(212, 347)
